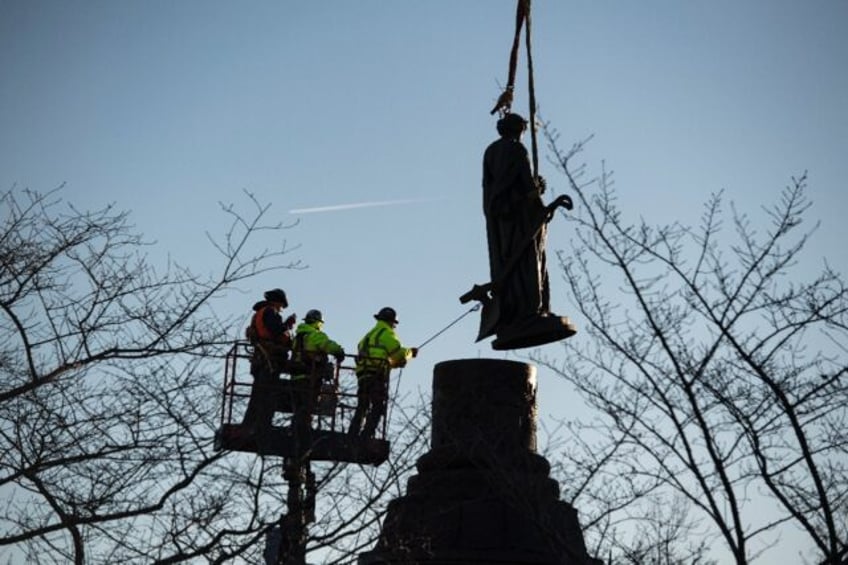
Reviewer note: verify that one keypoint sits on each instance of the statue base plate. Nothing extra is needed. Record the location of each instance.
(534, 331)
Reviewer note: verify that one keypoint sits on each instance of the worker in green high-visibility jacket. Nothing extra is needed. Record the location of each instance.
(312, 345)
(311, 354)
(379, 352)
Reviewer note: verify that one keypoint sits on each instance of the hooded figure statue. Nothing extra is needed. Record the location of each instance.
(516, 226)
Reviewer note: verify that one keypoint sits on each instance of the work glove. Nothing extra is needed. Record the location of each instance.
(541, 184)
(290, 321)
(414, 352)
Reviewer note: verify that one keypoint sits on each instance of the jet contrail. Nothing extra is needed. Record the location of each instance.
(362, 205)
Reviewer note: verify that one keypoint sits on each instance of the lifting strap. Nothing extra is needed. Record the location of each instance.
(504, 103)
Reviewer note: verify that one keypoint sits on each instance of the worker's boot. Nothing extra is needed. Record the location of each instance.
(370, 427)
(356, 422)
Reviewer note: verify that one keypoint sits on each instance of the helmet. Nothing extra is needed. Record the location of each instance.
(387, 315)
(314, 316)
(277, 295)
(511, 124)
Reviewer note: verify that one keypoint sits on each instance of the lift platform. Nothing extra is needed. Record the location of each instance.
(330, 420)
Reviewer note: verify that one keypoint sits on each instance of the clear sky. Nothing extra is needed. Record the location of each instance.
(168, 107)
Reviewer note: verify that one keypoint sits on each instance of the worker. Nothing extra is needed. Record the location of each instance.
(379, 352)
(512, 204)
(271, 339)
(311, 352)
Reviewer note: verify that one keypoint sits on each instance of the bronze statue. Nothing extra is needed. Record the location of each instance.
(516, 303)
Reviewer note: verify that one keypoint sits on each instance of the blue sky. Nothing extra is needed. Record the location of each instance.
(168, 107)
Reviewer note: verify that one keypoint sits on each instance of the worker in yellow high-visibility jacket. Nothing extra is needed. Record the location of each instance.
(379, 352)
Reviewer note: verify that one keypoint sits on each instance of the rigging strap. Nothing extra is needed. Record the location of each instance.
(444, 329)
(504, 103)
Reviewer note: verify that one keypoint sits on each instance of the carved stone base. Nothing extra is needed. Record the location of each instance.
(534, 331)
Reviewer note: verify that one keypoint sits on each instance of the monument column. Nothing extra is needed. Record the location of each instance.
(482, 494)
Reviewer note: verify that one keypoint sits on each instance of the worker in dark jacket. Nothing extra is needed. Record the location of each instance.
(271, 339)
(379, 351)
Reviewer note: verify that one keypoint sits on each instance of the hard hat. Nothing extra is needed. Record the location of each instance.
(511, 124)
(277, 295)
(387, 315)
(314, 316)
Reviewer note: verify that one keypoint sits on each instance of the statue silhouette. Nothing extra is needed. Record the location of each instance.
(516, 303)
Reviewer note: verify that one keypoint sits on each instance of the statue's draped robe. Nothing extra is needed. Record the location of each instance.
(514, 211)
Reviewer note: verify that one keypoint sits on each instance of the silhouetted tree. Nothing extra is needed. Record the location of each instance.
(109, 372)
(717, 366)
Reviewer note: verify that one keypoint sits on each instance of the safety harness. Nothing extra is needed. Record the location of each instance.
(303, 361)
(274, 352)
(368, 364)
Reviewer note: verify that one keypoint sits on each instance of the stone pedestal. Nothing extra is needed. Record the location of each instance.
(482, 494)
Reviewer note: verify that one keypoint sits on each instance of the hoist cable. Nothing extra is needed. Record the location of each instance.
(531, 89)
